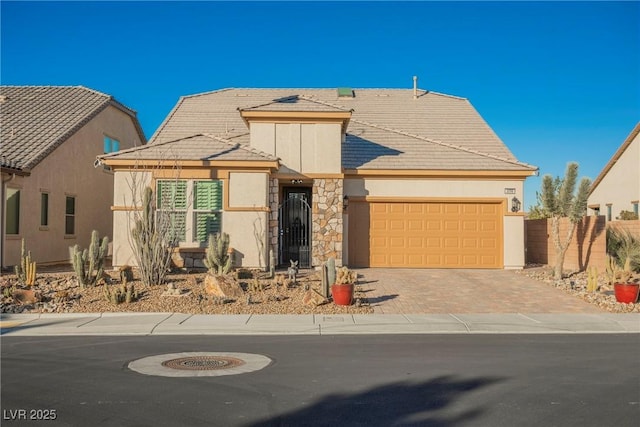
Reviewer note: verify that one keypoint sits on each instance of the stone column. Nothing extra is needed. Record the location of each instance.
(326, 218)
(274, 202)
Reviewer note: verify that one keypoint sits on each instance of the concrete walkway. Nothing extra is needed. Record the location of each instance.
(404, 302)
(185, 324)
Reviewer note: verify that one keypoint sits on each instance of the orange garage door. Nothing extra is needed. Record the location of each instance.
(425, 235)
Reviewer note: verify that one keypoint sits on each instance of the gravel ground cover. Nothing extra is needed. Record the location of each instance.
(59, 292)
(576, 284)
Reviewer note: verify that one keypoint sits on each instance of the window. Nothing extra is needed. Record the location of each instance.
(185, 221)
(172, 204)
(207, 206)
(111, 145)
(12, 225)
(70, 216)
(635, 208)
(608, 212)
(44, 209)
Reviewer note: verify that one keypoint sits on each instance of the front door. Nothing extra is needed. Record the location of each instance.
(295, 226)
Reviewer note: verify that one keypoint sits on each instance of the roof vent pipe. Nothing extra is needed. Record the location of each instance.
(415, 87)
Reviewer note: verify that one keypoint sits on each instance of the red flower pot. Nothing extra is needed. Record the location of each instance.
(626, 292)
(342, 294)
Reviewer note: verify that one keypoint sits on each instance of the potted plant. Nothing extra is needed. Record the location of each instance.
(624, 250)
(625, 287)
(342, 289)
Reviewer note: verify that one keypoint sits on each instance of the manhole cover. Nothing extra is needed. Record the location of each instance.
(199, 364)
(203, 363)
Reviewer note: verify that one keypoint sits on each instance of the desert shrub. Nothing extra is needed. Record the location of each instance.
(622, 245)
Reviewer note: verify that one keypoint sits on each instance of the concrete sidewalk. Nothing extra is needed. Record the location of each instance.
(187, 324)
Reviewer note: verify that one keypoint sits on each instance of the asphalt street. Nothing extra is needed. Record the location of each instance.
(364, 380)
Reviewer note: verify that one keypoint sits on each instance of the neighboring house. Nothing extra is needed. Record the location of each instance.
(617, 187)
(53, 195)
(371, 177)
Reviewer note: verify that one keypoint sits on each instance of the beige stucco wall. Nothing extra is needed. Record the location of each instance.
(127, 184)
(514, 242)
(513, 233)
(302, 147)
(69, 170)
(442, 188)
(621, 185)
(248, 189)
(246, 228)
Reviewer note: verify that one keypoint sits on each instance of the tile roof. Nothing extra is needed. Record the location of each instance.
(195, 147)
(295, 103)
(389, 129)
(34, 120)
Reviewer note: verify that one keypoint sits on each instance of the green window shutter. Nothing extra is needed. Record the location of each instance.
(206, 223)
(208, 195)
(172, 194)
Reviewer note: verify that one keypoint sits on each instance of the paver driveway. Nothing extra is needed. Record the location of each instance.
(413, 291)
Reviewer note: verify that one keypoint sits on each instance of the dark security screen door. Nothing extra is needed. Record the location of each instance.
(295, 226)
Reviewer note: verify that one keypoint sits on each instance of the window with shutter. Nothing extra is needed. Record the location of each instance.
(189, 208)
(172, 204)
(207, 206)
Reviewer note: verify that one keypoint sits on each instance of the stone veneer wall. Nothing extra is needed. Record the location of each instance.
(274, 202)
(326, 220)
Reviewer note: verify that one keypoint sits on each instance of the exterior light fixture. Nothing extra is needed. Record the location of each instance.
(296, 181)
(345, 203)
(515, 204)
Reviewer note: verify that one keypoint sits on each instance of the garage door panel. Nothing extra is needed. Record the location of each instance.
(415, 225)
(396, 224)
(452, 225)
(431, 234)
(415, 242)
(434, 225)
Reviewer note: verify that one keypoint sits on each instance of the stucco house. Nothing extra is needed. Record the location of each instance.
(617, 187)
(370, 177)
(52, 194)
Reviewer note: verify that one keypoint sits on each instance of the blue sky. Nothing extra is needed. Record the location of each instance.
(558, 82)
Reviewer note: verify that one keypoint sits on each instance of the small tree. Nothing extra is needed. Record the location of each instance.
(560, 200)
(152, 241)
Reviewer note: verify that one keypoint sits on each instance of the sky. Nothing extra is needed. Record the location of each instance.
(556, 81)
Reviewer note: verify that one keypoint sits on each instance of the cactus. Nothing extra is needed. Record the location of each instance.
(123, 293)
(88, 264)
(272, 264)
(256, 286)
(615, 274)
(26, 270)
(331, 270)
(325, 281)
(592, 279)
(217, 258)
(344, 276)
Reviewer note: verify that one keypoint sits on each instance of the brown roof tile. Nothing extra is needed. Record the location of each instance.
(34, 120)
(195, 147)
(388, 125)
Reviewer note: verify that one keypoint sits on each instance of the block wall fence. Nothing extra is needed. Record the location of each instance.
(588, 246)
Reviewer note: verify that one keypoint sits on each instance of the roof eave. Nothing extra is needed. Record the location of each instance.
(442, 173)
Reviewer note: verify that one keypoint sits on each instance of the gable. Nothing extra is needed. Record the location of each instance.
(615, 162)
(37, 119)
